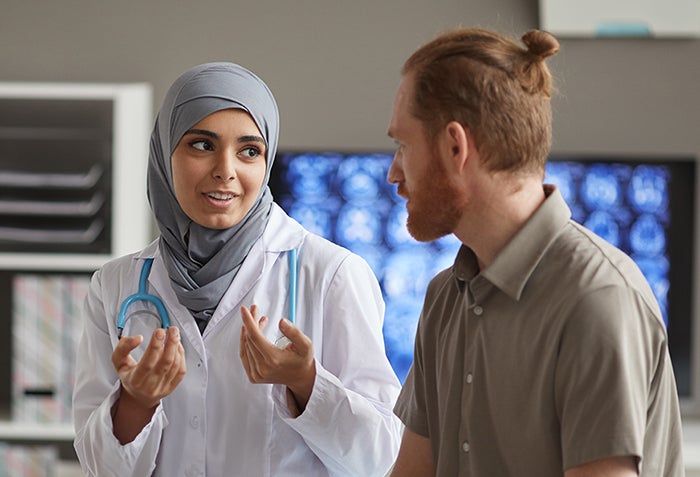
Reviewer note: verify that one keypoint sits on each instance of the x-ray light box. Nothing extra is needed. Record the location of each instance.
(621, 18)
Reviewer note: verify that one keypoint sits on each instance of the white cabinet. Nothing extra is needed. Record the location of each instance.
(73, 163)
(72, 173)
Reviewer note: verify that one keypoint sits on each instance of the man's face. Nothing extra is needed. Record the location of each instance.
(434, 201)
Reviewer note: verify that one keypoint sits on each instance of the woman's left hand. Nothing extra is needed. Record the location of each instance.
(294, 366)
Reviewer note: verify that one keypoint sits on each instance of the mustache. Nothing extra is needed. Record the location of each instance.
(401, 191)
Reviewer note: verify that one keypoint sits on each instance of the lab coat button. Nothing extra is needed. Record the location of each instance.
(194, 422)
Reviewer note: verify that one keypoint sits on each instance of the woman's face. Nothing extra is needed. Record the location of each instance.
(218, 168)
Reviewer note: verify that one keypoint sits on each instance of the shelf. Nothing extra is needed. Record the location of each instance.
(14, 431)
(84, 180)
(691, 443)
(56, 262)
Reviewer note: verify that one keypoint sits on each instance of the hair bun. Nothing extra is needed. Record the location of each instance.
(540, 44)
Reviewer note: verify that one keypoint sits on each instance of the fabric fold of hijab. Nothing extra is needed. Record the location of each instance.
(203, 262)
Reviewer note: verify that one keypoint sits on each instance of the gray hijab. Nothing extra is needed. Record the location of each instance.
(202, 262)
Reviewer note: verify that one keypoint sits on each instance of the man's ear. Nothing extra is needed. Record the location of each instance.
(457, 141)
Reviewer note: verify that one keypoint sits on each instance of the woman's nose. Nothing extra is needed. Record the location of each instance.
(225, 168)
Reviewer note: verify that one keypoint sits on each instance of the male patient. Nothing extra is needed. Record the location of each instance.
(541, 352)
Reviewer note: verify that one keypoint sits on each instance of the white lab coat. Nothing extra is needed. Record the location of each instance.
(216, 423)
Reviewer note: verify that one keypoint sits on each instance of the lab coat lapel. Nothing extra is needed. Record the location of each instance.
(248, 275)
(179, 315)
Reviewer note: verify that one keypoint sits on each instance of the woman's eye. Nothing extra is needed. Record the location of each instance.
(201, 145)
(251, 152)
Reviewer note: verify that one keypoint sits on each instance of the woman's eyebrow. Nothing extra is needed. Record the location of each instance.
(202, 132)
(213, 135)
(252, 138)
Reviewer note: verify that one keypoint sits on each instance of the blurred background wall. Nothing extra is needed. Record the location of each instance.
(334, 65)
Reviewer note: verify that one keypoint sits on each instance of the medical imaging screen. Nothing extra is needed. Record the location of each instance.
(644, 208)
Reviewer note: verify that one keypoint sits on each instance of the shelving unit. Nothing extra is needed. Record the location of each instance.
(11, 431)
(73, 161)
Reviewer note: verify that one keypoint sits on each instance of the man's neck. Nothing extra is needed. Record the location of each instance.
(500, 209)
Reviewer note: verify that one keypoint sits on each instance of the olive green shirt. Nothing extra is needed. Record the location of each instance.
(553, 356)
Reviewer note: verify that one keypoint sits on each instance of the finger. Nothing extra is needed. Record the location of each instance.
(253, 331)
(302, 343)
(251, 361)
(150, 357)
(249, 317)
(121, 356)
(179, 368)
(168, 357)
(242, 343)
(244, 353)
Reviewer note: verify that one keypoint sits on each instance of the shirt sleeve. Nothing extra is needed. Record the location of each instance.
(610, 351)
(348, 422)
(420, 388)
(410, 405)
(95, 392)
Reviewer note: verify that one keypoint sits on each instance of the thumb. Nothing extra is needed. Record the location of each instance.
(121, 356)
(301, 342)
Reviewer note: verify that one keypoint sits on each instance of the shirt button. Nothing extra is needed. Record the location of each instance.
(194, 422)
(470, 378)
(465, 446)
(478, 310)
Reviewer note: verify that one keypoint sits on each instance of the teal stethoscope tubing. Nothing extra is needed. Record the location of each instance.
(142, 294)
(293, 285)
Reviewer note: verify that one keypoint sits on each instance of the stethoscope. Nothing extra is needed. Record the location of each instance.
(143, 295)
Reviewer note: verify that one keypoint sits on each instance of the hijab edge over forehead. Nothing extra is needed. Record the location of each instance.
(203, 81)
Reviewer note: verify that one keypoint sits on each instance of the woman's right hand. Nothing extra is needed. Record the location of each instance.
(144, 383)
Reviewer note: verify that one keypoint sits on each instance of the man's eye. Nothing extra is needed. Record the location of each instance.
(201, 145)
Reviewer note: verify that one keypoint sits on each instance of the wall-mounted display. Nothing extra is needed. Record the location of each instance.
(644, 207)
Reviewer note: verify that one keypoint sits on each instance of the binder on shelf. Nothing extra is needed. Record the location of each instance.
(45, 331)
(28, 461)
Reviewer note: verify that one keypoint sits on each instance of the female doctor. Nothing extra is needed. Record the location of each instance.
(212, 395)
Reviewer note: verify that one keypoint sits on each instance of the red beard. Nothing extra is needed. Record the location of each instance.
(435, 206)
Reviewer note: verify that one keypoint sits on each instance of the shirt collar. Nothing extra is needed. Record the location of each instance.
(513, 265)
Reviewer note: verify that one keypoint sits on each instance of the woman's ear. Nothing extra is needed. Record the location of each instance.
(457, 144)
